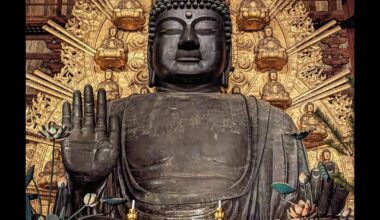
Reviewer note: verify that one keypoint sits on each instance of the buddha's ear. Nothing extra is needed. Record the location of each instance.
(151, 73)
(228, 68)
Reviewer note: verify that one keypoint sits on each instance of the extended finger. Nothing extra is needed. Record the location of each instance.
(101, 112)
(114, 130)
(77, 117)
(66, 115)
(89, 112)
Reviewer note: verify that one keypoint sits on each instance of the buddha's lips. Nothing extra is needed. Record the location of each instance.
(188, 56)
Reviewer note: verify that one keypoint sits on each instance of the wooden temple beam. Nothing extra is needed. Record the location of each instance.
(42, 56)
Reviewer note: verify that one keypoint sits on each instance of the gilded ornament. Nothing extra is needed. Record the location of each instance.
(112, 54)
(129, 15)
(270, 55)
(253, 15)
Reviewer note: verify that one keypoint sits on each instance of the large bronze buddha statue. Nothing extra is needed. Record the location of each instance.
(178, 151)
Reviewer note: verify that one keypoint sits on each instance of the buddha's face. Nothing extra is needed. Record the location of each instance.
(310, 107)
(108, 75)
(113, 32)
(326, 155)
(273, 76)
(189, 46)
(268, 31)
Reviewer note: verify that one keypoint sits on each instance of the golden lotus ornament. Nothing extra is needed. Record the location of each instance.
(271, 60)
(253, 16)
(129, 16)
(114, 59)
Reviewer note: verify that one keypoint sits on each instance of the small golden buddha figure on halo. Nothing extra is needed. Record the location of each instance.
(236, 90)
(270, 55)
(144, 90)
(59, 171)
(110, 86)
(310, 121)
(274, 92)
(253, 15)
(129, 15)
(112, 54)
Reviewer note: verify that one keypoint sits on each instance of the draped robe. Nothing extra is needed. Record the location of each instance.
(269, 156)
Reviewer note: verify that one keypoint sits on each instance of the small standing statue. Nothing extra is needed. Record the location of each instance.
(129, 15)
(110, 86)
(112, 54)
(132, 213)
(331, 197)
(253, 15)
(219, 214)
(310, 121)
(270, 55)
(275, 93)
(236, 90)
(59, 171)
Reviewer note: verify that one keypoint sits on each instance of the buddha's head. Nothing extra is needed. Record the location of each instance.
(189, 43)
(108, 74)
(309, 107)
(268, 31)
(113, 31)
(273, 76)
(326, 155)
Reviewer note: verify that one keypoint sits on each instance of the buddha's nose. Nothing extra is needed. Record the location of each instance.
(188, 40)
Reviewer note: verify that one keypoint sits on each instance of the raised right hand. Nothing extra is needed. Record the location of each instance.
(91, 150)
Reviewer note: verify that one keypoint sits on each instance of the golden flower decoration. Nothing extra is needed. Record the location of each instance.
(90, 200)
(301, 211)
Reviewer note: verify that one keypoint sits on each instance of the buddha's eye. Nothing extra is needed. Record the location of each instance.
(206, 31)
(207, 27)
(171, 31)
(170, 27)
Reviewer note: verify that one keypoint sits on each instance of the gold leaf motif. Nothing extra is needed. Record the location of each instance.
(85, 21)
(300, 24)
(311, 66)
(73, 69)
(43, 110)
